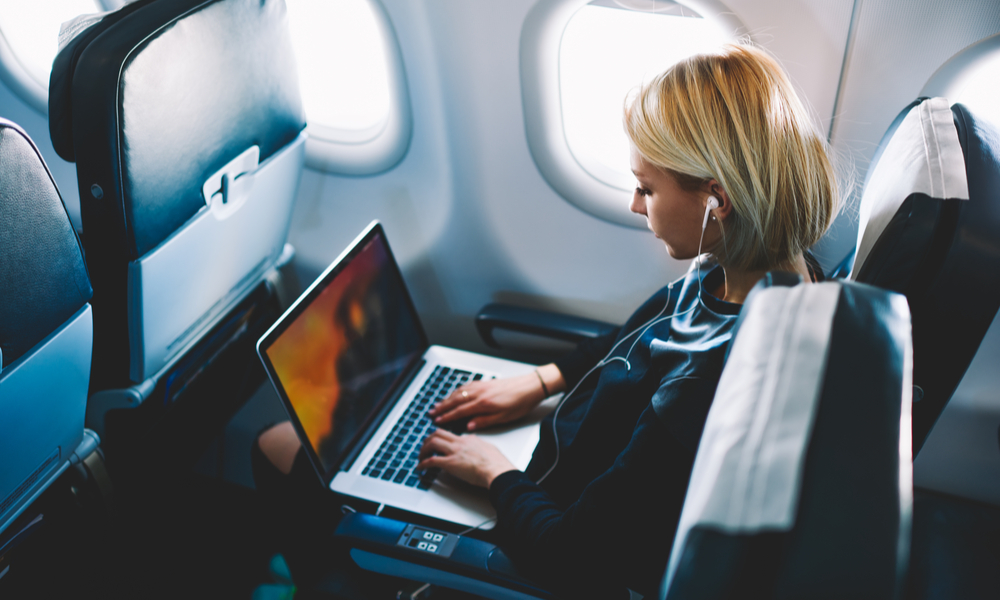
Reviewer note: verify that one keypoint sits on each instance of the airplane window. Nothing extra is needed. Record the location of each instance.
(579, 60)
(29, 36)
(353, 88)
(609, 48)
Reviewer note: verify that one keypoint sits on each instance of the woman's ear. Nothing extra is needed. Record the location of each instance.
(725, 206)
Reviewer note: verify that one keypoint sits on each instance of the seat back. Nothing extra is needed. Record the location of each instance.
(185, 122)
(928, 221)
(802, 484)
(46, 329)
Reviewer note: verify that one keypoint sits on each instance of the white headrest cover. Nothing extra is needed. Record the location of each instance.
(923, 156)
(747, 473)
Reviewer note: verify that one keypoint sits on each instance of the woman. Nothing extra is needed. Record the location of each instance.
(727, 161)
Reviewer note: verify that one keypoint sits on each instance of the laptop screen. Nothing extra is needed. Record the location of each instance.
(339, 351)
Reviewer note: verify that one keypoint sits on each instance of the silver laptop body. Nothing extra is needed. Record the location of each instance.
(352, 366)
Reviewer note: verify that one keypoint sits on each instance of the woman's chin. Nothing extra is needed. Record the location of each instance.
(678, 254)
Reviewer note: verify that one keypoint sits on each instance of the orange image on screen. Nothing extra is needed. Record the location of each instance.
(307, 354)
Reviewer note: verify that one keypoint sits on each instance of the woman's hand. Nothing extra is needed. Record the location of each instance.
(498, 401)
(468, 457)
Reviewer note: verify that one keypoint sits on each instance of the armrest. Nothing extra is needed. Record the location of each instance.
(537, 322)
(420, 553)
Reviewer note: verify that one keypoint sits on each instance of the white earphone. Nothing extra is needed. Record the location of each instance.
(713, 203)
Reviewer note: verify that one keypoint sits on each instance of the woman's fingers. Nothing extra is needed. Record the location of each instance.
(467, 457)
(489, 403)
(431, 462)
(439, 442)
(436, 449)
(460, 396)
(484, 421)
(477, 407)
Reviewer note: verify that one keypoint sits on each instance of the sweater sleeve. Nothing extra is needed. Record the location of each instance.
(617, 534)
(576, 363)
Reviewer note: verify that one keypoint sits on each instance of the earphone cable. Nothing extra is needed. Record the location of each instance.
(659, 318)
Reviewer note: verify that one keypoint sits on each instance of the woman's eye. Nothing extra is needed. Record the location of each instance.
(642, 191)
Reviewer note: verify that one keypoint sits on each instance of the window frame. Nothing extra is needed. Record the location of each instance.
(328, 149)
(16, 77)
(378, 148)
(541, 38)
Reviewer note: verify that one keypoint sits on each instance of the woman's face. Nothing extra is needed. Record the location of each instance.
(673, 214)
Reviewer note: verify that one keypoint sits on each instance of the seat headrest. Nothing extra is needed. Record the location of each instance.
(919, 163)
(769, 280)
(61, 80)
(164, 94)
(43, 278)
(929, 217)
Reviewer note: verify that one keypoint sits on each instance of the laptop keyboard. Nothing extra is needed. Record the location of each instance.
(396, 459)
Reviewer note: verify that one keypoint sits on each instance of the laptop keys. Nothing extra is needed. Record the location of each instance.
(399, 453)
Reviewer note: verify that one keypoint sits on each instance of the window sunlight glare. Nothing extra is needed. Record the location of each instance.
(605, 54)
(343, 67)
(982, 89)
(31, 28)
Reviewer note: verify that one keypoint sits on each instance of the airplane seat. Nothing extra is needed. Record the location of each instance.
(187, 129)
(802, 484)
(928, 223)
(46, 332)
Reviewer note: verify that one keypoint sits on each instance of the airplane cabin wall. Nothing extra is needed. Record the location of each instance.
(470, 217)
(895, 47)
(472, 220)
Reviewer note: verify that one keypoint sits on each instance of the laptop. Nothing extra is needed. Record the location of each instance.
(356, 375)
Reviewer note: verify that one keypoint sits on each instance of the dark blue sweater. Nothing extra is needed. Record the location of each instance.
(605, 518)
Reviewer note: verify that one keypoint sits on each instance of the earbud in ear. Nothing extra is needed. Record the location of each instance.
(713, 203)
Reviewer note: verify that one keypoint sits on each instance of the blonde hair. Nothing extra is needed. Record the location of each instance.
(734, 117)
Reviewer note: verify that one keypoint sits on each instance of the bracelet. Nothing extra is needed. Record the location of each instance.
(542, 381)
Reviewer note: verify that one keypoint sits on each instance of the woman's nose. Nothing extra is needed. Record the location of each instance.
(637, 205)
